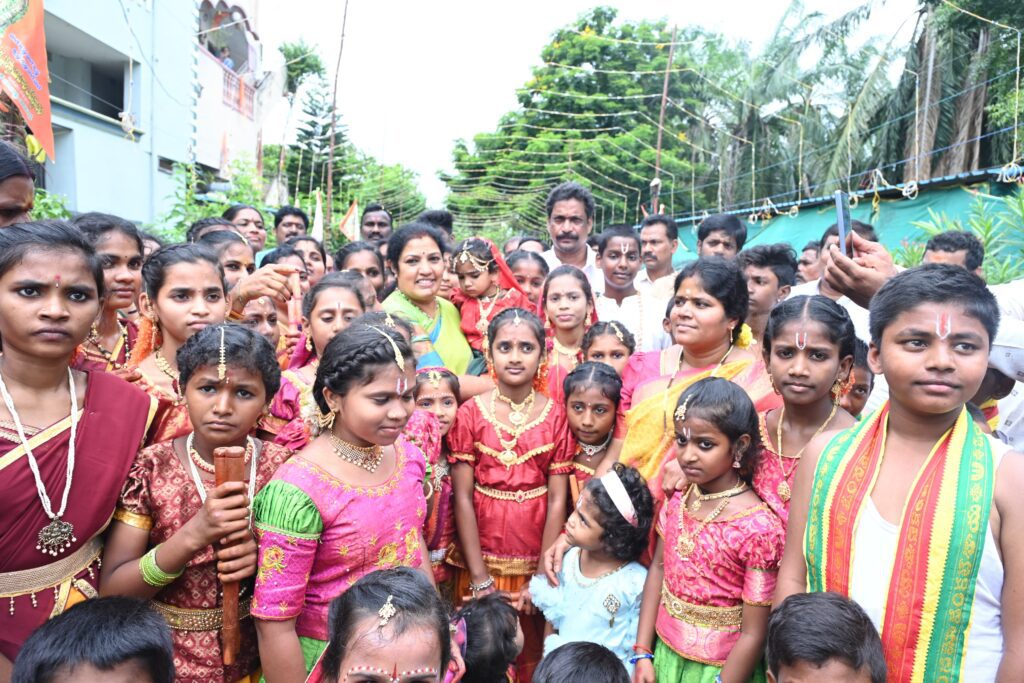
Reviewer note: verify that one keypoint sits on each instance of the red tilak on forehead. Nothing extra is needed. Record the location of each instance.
(56, 281)
(801, 340)
(943, 325)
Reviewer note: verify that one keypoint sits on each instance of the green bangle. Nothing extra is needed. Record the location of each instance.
(151, 572)
(419, 338)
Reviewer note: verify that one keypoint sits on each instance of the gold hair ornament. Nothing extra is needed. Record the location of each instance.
(465, 256)
(618, 332)
(386, 611)
(681, 410)
(222, 363)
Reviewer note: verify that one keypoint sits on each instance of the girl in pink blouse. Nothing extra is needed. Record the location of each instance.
(709, 588)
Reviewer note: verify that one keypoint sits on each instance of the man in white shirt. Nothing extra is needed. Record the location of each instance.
(659, 239)
(639, 312)
(570, 209)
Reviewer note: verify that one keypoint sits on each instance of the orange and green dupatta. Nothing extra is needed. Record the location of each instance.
(941, 537)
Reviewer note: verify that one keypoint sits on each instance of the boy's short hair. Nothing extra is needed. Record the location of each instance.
(581, 662)
(865, 230)
(959, 240)
(780, 258)
(933, 283)
(819, 627)
(723, 222)
(617, 231)
(102, 633)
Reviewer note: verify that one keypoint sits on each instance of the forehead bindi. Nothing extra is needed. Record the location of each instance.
(621, 245)
(50, 265)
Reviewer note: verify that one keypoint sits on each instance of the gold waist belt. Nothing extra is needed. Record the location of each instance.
(701, 615)
(13, 584)
(516, 496)
(187, 619)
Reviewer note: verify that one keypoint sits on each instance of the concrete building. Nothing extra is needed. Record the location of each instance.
(135, 88)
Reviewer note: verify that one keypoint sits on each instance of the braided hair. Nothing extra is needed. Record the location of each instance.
(354, 357)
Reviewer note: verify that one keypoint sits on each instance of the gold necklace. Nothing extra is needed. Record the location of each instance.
(666, 410)
(783, 489)
(740, 487)
(572, 353)
(164, 366)
(208, 467)
(507, 456)
(687, 542)
(365, 457)
(518, 412)
(94, 339)
(485, 314)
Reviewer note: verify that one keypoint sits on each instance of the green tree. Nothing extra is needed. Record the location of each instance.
(301, 63)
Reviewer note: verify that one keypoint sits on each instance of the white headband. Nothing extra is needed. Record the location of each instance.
(617, 492)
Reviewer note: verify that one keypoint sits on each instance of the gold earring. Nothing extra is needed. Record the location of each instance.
(309, 343)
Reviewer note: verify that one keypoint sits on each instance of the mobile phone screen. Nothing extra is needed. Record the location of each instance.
(842, 218)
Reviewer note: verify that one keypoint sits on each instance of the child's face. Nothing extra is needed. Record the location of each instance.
(607, 349)
(566, 305)
(516, 354)
(705, 453)
(191, 298)
(49, 301)
(805, 375)
(591, 415)
(926, 373)
(854, 402)
(376, 655)
(260, 316)
(475, 282)
(530, 279)
(375, 413)
(832, 670)
(122, 269)
(334, 311)
(763, 288)
(312, 259)
(620, 262)
(583, 529)
(439, 400)
(224, 412)
(449, 280)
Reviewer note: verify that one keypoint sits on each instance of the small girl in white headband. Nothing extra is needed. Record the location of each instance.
(597, 598)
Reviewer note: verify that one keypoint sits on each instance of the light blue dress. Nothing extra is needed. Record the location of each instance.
(582, 609)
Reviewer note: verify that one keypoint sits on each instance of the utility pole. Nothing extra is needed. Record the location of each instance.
(334, 121)
(656, 183)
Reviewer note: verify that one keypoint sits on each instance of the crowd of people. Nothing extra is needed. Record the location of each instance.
(584, 456)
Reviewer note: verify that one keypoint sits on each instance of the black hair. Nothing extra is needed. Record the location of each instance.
(234, 210)
(14, 163)
(513, 240)
(479, 250)
(401, 237)
(439, 218)
(938, 283)
(374, 208)
(280, 253)
(308, 238)
(833, 318)
(865, 230)
(729, 408)
(813, 245)
(349, 281)
(957, 240)
(491, 628)
(531, 238)
(723, 222)
(95, 225)
(593, 240)
(570, 190)
(286, 211)
(220, 240)
(416, 604)
(103, 633)
(379, 318)
(820, 627)
(619, 538)
(860, 355)
(671, 229)
(618, 231)
(242, 348)
(581, 662)
(150, 237)
(194, 230)
(154, 269)
(355, 248)
(576, 274)
(609, 327)
(423, 378)
(353, 358)
(515, 316)
(779, 257)
(519, 255)
(600, 375)
(19, 239)
(721, 278)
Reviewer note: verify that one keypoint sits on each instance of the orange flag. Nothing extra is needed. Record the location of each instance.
(350, 223)
(24, 75)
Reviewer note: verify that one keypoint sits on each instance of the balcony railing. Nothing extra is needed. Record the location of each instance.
(238, 94)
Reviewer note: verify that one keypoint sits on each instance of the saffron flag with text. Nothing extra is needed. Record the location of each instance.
(24, 75)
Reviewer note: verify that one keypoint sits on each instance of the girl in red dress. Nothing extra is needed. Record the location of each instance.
(511, 455)
(592, 393)
(567, 305)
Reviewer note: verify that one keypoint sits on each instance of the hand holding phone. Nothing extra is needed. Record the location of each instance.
(843, 218)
